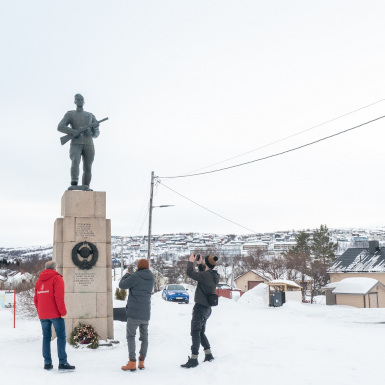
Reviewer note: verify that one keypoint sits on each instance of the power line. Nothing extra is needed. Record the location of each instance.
(144, 205)
(288, 137)
(211, 211)
(274, 155)
(144, 220)
(144, 214)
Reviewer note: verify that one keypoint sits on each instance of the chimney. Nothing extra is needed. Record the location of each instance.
(373, 246)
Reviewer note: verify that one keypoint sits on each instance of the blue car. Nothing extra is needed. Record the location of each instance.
(175, 293)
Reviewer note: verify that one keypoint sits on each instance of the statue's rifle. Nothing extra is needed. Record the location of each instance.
(64, 139)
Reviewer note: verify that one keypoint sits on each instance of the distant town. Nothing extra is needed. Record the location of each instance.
(171, 246)
(174, 246)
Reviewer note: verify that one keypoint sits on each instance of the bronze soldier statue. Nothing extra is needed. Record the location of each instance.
(81, 127)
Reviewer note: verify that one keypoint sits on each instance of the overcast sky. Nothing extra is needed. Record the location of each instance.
(187, 85)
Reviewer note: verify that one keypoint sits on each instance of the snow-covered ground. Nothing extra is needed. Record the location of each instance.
(294, 344)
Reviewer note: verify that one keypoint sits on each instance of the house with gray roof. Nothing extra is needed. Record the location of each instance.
(366, 262)
(360, 292)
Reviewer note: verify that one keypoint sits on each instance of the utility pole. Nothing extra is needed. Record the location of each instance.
(232, 271)
(121, 259)
(150, 217)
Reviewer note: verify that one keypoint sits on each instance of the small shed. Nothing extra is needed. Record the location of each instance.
(360, 292)
(250, 279)
(328, 290)
(292, 291)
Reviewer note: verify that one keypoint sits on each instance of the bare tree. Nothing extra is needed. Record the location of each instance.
(25, 306)
(297, 258)
(243, 264)
(158, 280)
(176, 273)
(225, 262)
(274, 267)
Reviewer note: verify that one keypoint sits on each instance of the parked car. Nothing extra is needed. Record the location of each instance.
(175, 293)
(224, 286)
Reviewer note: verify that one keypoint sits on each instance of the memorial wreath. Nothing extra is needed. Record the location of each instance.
(84, 335)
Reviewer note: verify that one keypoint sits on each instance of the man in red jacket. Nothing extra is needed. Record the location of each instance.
(50, 306)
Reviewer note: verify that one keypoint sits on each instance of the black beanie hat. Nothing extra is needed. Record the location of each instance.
(211, 261)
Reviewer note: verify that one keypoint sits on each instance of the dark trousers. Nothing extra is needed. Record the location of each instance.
(77, 151)
(200, 316)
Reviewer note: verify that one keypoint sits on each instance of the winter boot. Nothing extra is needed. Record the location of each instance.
(141, 362)
(66, 366)
(131, 365)
(191, 363)
(48, 366)
(208, 356)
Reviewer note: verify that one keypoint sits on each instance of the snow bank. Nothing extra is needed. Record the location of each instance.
(284, 344)
(257, 296)
(319, 299)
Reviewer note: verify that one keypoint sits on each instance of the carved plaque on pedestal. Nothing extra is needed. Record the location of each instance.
(84, 281)
(84, 230)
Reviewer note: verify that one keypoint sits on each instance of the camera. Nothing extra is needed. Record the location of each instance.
(197, 257)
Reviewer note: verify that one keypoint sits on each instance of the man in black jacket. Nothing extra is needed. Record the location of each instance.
(207, 281)
(138, 309)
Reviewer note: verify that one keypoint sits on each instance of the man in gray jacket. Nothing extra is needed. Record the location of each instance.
(207, 282)
(138, 310)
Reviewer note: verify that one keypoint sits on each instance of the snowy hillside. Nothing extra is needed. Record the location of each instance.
(12, 254)
(170, 246)
(296, 343)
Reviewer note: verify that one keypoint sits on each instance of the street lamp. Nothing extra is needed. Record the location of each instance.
(150, 216)
(121, 257)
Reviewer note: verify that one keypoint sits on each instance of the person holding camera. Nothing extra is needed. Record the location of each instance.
(138, 311)
(207, 280)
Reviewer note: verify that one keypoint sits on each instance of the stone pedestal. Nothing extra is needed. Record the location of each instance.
(88, 291)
